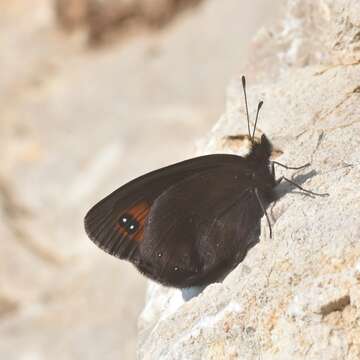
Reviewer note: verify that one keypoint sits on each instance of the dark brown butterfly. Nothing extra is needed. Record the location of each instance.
(190, 223)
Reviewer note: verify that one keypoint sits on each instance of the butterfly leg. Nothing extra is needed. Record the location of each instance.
(273, 169)
(263, 209)
(289, 167)
(278, 181)
(273, 163)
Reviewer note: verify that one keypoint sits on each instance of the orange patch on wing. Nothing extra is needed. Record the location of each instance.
(138, 212)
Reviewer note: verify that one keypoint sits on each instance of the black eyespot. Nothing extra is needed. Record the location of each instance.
(128, 223)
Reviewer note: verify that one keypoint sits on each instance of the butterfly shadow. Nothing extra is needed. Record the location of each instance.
(191, 292)
(285, 187)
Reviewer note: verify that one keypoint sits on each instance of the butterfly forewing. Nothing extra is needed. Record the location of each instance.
(116, 224)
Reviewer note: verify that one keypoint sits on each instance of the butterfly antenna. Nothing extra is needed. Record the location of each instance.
(256, 119)
(246, 104)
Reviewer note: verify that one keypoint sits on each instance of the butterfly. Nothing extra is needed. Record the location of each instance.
(189, 224)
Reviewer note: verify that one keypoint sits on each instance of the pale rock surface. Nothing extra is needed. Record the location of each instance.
(74, 125)
(297, 295)
(325, 32)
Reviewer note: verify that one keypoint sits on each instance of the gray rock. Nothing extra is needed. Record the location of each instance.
(295, 296)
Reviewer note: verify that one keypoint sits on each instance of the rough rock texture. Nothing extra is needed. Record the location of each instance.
(326, 32)
(297, 295)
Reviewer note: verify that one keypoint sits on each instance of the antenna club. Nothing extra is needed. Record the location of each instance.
(243, 80)
(246, 104)
(256, 119)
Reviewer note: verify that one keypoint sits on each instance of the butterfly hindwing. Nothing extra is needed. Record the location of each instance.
(200, 226)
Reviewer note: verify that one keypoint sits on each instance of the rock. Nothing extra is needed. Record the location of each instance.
(101, 18)
(71, 13)
(325, 33)
(295, 296)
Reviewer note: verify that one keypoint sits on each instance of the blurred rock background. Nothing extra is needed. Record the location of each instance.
(92, 94)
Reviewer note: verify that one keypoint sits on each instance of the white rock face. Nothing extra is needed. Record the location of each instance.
(297, 295)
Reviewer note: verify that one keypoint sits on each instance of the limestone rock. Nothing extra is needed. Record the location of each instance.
(326, 33)
(295, 296)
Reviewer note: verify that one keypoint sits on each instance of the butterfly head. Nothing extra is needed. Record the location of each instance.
(260, 152)
(259, 160)
(263, 149)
